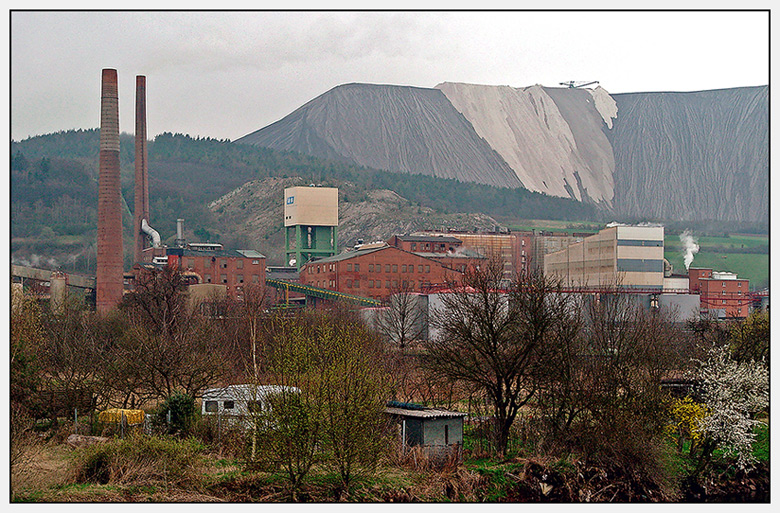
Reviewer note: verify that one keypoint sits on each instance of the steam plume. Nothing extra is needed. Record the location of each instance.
(690, 247)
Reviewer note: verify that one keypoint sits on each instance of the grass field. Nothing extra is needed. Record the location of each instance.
(526, 225)
(723, 254)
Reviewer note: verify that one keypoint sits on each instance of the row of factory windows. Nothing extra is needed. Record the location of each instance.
(223, 278)
(376, 268)
(373, 284)
(428, 246)
(223, 263)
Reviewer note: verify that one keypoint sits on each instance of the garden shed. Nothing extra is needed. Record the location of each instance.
(435, 429)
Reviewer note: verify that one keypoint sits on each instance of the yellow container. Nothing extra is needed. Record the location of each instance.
(115, 415)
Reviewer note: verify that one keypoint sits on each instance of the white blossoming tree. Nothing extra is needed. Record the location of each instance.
(732, 393)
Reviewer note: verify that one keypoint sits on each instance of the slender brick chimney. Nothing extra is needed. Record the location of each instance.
(109, 238)
(141, 209)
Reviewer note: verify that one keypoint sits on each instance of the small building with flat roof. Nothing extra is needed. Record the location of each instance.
(437, 431)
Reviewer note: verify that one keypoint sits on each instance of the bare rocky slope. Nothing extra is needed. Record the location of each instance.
(662, 156)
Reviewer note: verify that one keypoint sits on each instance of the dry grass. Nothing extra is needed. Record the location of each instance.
(39, 466)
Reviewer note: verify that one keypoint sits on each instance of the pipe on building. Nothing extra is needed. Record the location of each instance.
(180, 233)
(151, 232)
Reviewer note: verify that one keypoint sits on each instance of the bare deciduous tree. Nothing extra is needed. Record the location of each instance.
(170, 347)
(404, 319)
(493, 339)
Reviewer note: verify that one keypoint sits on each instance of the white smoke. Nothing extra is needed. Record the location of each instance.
(35, 261)
(689, 247)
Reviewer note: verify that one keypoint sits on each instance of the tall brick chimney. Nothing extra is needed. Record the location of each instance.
(141, 209)
(109, 238)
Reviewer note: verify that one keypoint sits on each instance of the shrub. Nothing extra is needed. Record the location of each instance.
(687, 415)
(139, 459)
(182, 414)
(227, 438)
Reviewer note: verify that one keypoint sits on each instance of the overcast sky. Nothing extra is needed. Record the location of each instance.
(227, 74)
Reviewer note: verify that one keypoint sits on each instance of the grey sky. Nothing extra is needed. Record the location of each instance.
(227, 74)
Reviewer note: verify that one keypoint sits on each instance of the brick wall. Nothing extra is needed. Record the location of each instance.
(377, 274)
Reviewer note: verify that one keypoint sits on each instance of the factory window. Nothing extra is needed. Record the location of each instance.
(255, 262)
(420, 268)
(404, 284)
(239, 264)
(414, 246)
(229, 405)
(739, 284)
(255, 278)
(349, 284)
(387, 268)
(403, 268)
(357, 267)
(349, 267)
(207, 277)
(371, 284)
(522, 242)
(239, 278)
(223, 264)
(395, 284)
(318, 269)
(387, 284)
(356, 284)
(370, 268)
(395, 268)
(427, 268)
(223, 278)
(212, 406)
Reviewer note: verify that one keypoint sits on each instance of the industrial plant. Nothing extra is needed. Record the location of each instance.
(626, 259)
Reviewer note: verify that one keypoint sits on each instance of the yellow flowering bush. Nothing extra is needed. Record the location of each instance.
(687, 416)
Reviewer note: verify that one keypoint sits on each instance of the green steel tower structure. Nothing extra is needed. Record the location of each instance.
(311, 218)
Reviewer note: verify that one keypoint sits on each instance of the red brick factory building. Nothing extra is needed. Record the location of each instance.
(722, 294)
(376, 271)
(210, 263)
